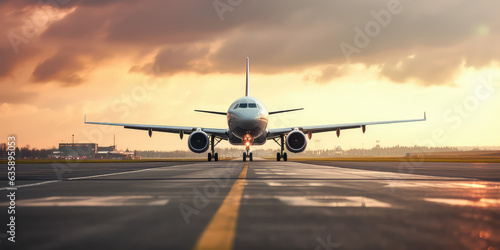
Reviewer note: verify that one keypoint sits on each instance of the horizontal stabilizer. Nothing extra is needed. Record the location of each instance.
(283, 111)
(211, 112)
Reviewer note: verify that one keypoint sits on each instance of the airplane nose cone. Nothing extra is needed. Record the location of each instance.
(249, 123)
(248, 116)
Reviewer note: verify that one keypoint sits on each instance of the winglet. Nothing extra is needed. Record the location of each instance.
(85, 118)
(247, 90)
(425, 117)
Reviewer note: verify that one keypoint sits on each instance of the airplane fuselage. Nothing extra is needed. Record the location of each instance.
(247, 120)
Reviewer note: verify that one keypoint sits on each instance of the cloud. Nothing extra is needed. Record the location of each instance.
(8, 61)
(435, 70)
(20, 4)
(279, 36)
(15, 96)
(326, 75)
(168, 61)
(64, 68)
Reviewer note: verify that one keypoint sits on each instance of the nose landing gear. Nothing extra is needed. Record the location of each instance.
(247, 140)
(248, 155)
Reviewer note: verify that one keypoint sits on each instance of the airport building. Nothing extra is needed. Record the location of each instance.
(90, 151)
(110, 152)
(77, 150)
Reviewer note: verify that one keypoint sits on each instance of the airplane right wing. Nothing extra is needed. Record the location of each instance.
(221, 133)
(273, 133)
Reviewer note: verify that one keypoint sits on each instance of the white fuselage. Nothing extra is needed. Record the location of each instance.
(247, 119)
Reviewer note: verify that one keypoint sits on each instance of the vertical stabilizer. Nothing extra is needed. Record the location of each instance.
(247, 90)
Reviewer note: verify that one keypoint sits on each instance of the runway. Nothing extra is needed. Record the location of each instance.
(254, 205)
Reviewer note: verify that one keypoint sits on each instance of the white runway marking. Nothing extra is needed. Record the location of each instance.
(281, 184)
(110, 174)
(85, 177)
(31, 185)
(331, 201)
(483, 202)
(92, 201)
(330, 176)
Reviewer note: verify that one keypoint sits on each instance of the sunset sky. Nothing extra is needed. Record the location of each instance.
(154, 62)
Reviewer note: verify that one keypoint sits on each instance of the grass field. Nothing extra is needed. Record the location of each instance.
(21, 161)
(469, 158)
(458, 156)
(399, 159)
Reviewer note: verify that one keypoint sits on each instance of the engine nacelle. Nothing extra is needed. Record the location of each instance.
(296, 141)
(198, 142)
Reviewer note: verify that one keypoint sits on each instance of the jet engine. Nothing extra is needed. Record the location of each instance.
(198, 142)
(296, 141)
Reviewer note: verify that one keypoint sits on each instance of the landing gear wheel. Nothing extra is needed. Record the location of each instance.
(244, 156)
(251, 156)
(284, 157)
(278, 157)
(216, 157)
(209, 157)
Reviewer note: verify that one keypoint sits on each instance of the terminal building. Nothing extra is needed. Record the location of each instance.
(110, 152)
(90, 151)
(77, 150)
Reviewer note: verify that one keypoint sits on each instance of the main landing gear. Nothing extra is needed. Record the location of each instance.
(214, 156)
(213, 143)
(281, 155)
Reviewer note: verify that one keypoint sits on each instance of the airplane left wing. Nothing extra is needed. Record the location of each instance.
(211, 112)
(273, 133)
(284, 111)
(221, 133)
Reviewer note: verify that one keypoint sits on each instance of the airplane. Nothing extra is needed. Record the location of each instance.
(247, 120)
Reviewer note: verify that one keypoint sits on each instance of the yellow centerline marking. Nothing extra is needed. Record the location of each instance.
(220, 232)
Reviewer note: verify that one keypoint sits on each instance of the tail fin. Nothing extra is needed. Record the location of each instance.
(247, 90)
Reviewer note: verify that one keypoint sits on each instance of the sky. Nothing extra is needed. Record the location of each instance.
(154, 62)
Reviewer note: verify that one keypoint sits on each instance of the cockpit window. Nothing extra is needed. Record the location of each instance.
(252, 105)
(243, 105)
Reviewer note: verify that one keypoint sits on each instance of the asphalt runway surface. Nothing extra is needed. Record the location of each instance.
(253, 205)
